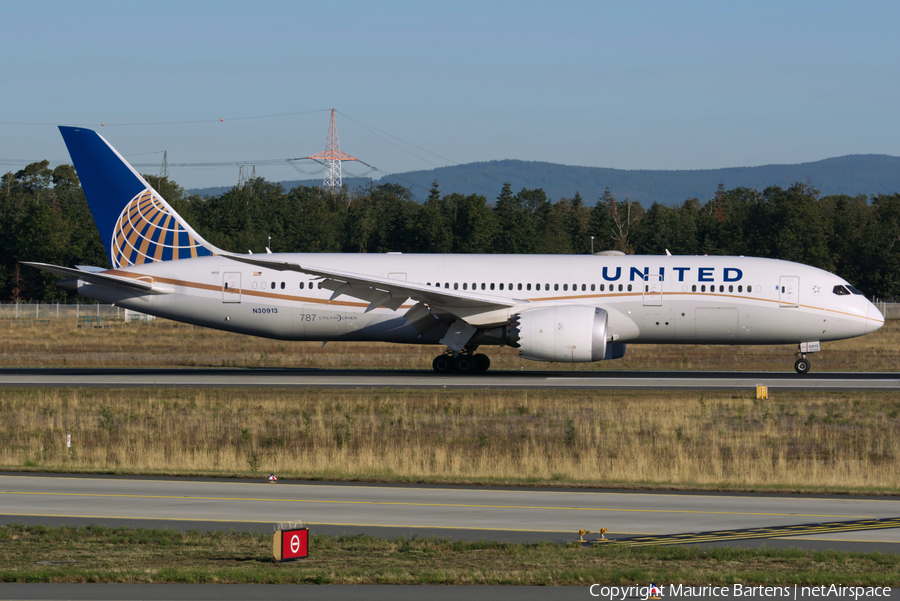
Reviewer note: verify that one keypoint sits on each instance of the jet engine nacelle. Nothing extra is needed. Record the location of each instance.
(563, 333)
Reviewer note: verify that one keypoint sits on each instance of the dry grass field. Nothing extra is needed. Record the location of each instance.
(98, 554)
(794, 441)
(62, 343)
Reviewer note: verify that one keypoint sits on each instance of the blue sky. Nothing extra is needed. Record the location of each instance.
(631, 85)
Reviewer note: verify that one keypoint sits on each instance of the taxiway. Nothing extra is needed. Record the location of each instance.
(404, 510)
(338, 378)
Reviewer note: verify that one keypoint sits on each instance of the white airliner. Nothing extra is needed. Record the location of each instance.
(563, 308)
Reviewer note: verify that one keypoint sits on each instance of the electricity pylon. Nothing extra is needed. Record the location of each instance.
(332, 158)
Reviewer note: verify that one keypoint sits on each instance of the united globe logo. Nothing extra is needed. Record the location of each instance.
(148, 231)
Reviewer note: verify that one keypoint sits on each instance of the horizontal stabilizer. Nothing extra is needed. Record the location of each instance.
(103, 279)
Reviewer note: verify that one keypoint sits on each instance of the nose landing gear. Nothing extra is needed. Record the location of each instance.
(802, 364)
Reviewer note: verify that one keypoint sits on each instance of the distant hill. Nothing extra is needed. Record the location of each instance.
(853, 174)
(351, 182)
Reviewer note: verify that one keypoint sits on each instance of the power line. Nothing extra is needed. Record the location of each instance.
(371, 128)
(137, 154)
(268, 162)
(303, 171)
(225, 163)
(14, 162)
(374, 132)
(176, 122)
(395, 176)
(383, 135)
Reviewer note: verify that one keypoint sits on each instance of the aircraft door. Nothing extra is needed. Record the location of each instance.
(789, 291)
(652, 290)
(231, 287)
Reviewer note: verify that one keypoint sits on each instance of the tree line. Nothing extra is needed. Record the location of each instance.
(45, 217)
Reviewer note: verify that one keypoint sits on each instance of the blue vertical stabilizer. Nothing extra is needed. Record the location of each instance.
(135, 223)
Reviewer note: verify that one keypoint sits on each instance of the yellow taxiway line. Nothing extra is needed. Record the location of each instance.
(418, 504)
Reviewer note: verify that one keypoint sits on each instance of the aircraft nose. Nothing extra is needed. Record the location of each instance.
(874, 319)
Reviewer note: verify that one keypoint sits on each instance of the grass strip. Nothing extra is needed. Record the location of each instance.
(837, 442)
(161, 343)
(103, 554)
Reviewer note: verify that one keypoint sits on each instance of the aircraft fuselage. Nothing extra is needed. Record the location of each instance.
(650, 299)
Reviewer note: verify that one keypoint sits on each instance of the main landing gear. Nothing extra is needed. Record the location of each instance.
(465, 362)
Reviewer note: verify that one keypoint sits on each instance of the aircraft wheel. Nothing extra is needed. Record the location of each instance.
(482, 362)
(802, 366)
(464, 364)
(442, 364)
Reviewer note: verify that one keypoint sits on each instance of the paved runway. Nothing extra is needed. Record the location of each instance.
(496, 513)
(561, 380)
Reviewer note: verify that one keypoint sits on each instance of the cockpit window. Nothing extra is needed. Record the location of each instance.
(855, 291)
(841, 290)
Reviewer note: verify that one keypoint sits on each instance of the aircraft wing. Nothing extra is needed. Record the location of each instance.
(102, 279)
(478, 309)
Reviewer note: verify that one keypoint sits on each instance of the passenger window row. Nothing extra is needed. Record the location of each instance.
(839, 290)
(536, 287)
(264, 285)
(712, 288)
(584, 287)
(527, 287)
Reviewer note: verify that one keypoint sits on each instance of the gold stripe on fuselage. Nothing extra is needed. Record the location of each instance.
(321, 301)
